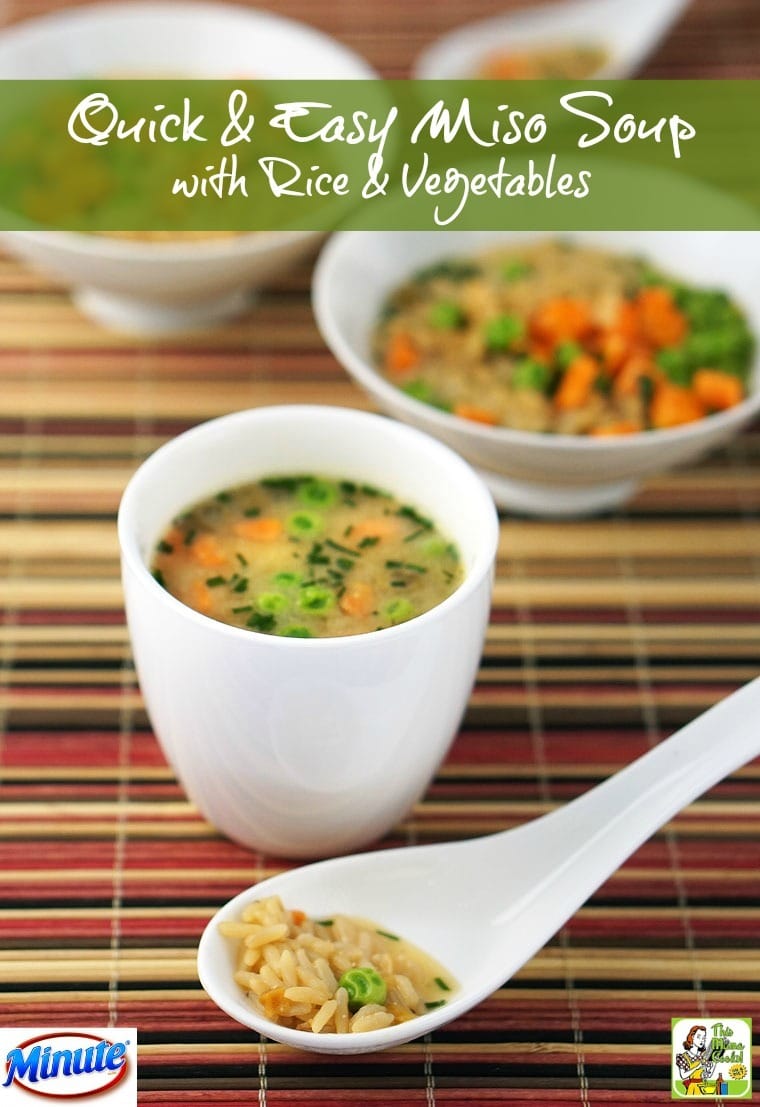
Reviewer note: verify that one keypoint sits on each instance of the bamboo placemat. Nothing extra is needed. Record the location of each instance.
(605, 636)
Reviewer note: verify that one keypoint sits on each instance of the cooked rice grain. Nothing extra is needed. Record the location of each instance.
(299, 962)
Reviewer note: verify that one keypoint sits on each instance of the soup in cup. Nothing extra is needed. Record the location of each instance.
(306, 746)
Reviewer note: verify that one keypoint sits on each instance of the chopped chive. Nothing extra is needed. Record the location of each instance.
(348, 530)
(393, 564)
(223, 497)
(252, 512)
(243, 561)
(261, 622)
(435, 1003)
(344, 563)
(342, 549)
(414, 534)
(214, 582)
(324, 922)
(190, 536)
(370, 540)
(398, 584)
(442, 984)
(158, 576)
(414, 568)
(284, 484)
(408, 512)
(165, 547)
(347, 486)
(241, 585)
(386, 934)
(315, 556)
(370, 490)
(242, 610)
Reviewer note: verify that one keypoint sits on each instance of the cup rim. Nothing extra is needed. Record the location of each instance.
(474, 576)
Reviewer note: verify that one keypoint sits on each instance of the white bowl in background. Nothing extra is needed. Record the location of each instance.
(306, 747)
(155, 287)
(538, 474)
(628, 31)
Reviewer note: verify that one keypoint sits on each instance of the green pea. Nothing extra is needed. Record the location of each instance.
(304, 524)
(419, 389)
(503, 331)
(674, 362)
(435, 547)
(296, 631)
(287, 580)
(515, 270)
(317, 493)
(398, 611)
(316, 599)
(363, 985)
(446, 315)
(532, 374)
(566, 353)
(272, 603)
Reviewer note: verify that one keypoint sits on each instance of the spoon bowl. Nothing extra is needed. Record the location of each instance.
(484, 907)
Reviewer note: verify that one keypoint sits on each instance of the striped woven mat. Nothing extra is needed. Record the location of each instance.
(605, 636)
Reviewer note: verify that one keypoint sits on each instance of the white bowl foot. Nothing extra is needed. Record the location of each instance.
(556, 501)
(122, 313)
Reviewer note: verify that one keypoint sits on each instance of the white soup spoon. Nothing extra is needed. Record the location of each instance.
(484, 907)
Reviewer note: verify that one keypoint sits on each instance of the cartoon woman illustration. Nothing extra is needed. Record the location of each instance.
(694, 1064)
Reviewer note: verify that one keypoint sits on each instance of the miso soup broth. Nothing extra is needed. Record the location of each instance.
(307, 556)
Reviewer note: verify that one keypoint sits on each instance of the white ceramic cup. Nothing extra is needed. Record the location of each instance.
(306, 747)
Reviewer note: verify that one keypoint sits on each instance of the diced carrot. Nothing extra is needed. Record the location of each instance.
(174, 537)
(576, 384)
(381, 527)
(615, 348)
(401, 355)
(541, 351)
(660, 321)
(477, 414)
(206, 550)
(562, 319)
(626, 322)
(509, 67)
(672, 406)
(264, 529)
(609, 430)
(717, 390)
(358, 599)
(274, 1002)
(200, 597)
(298, 917)
(628, 377)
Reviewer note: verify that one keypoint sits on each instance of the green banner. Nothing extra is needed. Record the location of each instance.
(107, 156)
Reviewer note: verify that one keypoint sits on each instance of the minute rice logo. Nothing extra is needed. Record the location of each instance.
(67, 1064)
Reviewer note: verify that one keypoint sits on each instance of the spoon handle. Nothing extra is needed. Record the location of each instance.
(577, 847)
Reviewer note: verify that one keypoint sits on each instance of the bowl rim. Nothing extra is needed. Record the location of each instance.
(182, 10)
(105, 247)
(239, 243)
(334, 253)
(129, 506)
